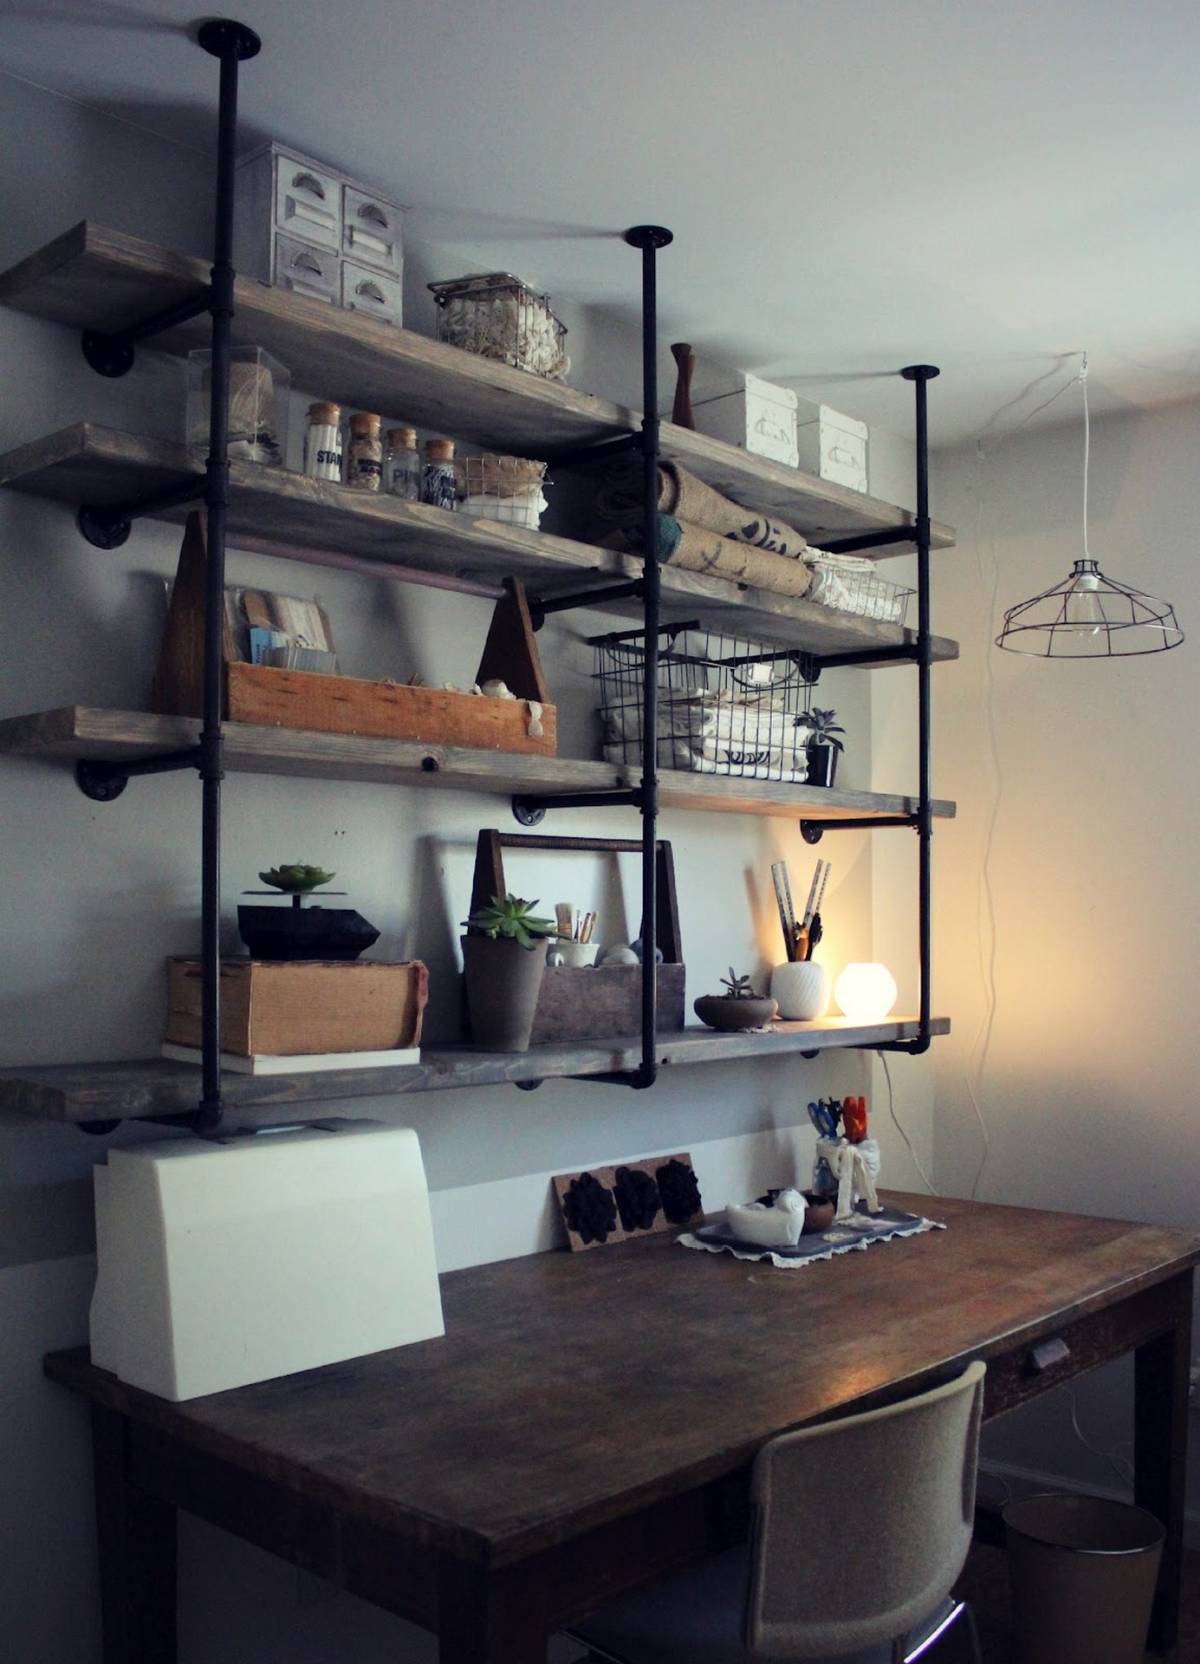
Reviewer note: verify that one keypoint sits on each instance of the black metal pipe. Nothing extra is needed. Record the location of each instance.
(540, 610)
(812, 829)
(599, 451)
(868, 655)
(869, 540)
(920, 375)
(108, 525)
(616, 799)
(112, 355)
(229, 42)
(167, 762)
(649, 238)
(169, 317)
(170, 762)
(104, 781)
(615, 637)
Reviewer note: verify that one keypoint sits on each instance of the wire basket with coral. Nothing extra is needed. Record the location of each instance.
(497, 316)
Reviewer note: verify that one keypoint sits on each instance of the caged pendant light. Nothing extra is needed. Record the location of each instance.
(1089, 615)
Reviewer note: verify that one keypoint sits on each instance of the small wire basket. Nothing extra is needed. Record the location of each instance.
(497, 316)
(510, 489)
(847, 583)
(725, 706)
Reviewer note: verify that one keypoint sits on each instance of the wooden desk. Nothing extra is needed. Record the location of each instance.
(588, 1422)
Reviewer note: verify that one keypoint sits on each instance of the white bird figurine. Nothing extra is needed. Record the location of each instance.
(778, 1226)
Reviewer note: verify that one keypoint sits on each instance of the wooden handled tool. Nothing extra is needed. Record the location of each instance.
(685, 363)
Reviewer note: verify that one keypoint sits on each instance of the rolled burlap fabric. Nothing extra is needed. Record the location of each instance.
(697, 549)
(689, 500)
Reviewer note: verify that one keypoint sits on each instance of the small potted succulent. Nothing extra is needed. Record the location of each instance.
(299, 932)
(822, 746)
(504, 960)
(741, 1008)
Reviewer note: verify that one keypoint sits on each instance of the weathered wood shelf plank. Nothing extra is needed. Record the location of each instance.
(280, 510)
(75, 731)
(95, 278)
(75, 1092)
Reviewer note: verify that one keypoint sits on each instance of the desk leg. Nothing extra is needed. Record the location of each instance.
(135, 1536)
(497, 1619)
(1160, 1454)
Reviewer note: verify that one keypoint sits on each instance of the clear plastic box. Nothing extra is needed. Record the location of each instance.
(259, 399)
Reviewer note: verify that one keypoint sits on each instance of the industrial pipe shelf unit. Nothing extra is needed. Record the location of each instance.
(112, 355)
(231, 44)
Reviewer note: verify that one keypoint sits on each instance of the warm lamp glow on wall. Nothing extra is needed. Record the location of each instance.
(865, 993)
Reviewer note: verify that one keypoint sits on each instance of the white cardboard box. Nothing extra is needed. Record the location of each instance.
(756, 415)
(232, 1260)
(832, 446)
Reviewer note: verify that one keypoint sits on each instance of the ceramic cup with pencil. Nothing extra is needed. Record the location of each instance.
(800, 986)
(575, 949)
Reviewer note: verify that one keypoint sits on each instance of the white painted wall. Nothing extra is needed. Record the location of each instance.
(1078, 792)
(94, 898)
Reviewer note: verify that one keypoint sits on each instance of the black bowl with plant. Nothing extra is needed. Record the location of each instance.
(300, 932)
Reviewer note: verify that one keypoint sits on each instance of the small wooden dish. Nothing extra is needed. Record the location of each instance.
(819, 1216)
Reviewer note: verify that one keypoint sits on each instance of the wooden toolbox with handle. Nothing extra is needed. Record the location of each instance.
(271, 697)
(601, 1002)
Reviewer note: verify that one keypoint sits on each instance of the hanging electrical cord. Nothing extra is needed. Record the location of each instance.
(986, 913)
(1087, 450)
(908, 1143)
(1121, 1465)
(985, 901)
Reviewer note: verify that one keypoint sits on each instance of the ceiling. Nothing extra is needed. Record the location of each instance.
(852, 186)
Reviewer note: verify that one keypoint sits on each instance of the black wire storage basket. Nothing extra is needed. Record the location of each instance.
(725, 706)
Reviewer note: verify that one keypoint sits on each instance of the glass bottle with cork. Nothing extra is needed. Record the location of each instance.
(323, 442)
(364, 460)
(403, 464)
(439, 484)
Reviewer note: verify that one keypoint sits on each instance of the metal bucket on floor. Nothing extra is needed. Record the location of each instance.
(1083, 1576)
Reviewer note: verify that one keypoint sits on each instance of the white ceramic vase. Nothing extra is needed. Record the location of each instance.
(801, 990)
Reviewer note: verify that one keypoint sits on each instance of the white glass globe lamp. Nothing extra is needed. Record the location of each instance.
(865, 993)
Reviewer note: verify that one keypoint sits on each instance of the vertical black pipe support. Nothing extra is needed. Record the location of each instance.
(649, 238)
(231, 43)
(921, 375)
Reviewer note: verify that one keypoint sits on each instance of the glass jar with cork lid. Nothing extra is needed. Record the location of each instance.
(403, 466)
(439, 484)
(323, 442)
(364, 453)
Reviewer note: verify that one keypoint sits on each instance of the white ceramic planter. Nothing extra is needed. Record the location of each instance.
(801, 990)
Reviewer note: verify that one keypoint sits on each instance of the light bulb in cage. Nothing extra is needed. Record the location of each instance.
(1084, 608)
(1089, 615)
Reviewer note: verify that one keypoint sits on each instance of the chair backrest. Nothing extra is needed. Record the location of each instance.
(862, 1526)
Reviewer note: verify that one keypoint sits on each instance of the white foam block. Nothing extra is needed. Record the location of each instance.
(230, 1261)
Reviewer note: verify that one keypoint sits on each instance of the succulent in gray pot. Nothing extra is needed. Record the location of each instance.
(823, 746)
(504, 960)
(741, 1008)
